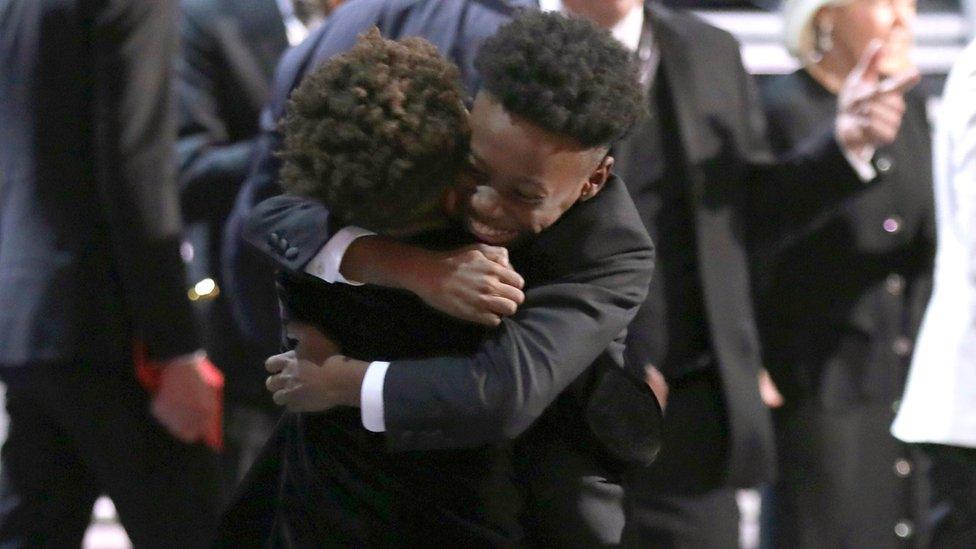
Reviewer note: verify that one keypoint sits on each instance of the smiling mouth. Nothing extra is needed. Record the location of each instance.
(490, 235)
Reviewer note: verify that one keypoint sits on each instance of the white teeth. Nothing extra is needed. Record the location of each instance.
(487, 230)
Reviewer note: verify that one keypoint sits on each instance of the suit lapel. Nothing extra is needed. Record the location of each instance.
(714, 194)
(698, 141)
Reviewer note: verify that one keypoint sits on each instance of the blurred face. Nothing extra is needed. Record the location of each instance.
(605, 13)
(521, 178)
(857, 23)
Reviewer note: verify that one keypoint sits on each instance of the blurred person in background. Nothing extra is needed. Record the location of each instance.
(229, 49)
(938, 409)
(840, 299)
(91, 282)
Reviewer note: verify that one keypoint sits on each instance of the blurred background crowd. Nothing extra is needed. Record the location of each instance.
(839, 299)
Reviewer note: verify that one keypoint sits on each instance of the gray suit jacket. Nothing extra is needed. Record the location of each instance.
(89, 218)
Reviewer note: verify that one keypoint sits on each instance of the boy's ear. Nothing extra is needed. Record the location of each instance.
(597, 179)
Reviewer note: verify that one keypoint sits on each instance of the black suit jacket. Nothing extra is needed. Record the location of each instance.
(226, 63)
(733, 183)
(585, 278)
(89, 218)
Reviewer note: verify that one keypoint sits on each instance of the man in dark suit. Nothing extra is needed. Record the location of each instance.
(700, 172)
(228, 53)
(89, 266)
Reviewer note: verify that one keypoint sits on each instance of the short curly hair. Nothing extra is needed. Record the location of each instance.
(376, 134)
(564, 75)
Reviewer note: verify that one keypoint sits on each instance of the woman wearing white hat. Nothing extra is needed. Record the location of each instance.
(839, 300)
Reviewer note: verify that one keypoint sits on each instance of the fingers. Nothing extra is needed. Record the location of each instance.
(495, 253)
(886, 112)
(178, 422)
(511, 293)
(508, 276)
(901, 82)
(487, 319)
(277, 382)
(658, 384)
(867, 67)
(283, 397)
(880, 133)
(277, 363)
(500, 305)
(894, 86)
(768, 391)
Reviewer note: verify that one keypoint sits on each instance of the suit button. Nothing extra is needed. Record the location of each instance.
(895, 284)
(904, 529)
(291, 253)
(902, 346)
(903, 468)
(884, 164)
(892, 225)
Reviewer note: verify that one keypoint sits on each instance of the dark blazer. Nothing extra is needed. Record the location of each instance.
(226, 63)
(840, 299)
(89, 218)
(734, 183)
(585, 278)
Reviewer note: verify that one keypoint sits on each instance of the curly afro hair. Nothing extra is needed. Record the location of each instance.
(376, 133)
(564, 75)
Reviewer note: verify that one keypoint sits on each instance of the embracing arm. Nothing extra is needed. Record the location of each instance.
(475, 283)
(836, 163)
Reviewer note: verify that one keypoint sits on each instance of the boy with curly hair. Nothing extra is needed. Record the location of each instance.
(537, 180)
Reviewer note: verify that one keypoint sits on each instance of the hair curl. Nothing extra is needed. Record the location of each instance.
(376, 133)
(564, 75)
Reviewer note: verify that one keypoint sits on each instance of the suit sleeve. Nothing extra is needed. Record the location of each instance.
(559, 331)
(211, 167)
(248, 280)
(780, 186)
(135, 44)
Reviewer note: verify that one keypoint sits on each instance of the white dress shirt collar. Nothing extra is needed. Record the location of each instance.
(627, 31)
(295, 29)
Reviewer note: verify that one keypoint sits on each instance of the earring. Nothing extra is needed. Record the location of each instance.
(825, 38)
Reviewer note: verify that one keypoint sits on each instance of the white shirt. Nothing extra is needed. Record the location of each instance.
(295, 29)
(939, 405)
(627, 31)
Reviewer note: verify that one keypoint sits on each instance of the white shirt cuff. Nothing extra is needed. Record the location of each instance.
(326, 263)
(371, 397)
(860, 163)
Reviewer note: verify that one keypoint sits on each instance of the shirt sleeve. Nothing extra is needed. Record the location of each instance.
(325, 264)
(371, 397)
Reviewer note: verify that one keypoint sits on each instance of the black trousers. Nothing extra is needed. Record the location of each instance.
(953, 477)
(77, 431)
(246, 429)
(681, 500)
